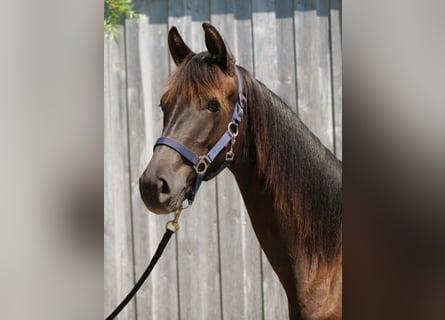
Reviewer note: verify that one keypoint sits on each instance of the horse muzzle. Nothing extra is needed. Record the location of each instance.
(164, 183)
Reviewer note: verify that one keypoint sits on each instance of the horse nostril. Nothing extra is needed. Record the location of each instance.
(164, 186)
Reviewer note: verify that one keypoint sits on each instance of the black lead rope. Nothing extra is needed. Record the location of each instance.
(167, 235)
(164, 241)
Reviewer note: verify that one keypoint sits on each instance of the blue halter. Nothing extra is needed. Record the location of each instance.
(201, 163)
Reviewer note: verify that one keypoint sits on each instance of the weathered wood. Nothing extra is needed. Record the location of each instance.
(118, 248)
(266, 44)
(336, 50)
(240, 255)
(285, 53)
(313, 67)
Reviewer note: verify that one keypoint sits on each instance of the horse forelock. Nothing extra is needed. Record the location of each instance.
(197, 79)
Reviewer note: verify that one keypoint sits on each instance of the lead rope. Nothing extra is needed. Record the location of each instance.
(164, 241)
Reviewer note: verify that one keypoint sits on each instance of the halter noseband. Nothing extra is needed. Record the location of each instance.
(201, 163)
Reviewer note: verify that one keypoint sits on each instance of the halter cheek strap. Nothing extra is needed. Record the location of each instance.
(201, 163)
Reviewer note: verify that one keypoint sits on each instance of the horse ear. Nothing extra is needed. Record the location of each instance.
(217, 48)
(178, 49)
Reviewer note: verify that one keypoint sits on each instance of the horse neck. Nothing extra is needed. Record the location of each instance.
(290, 182)
(291, 185)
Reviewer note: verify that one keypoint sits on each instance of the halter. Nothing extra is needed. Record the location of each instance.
(201, 163)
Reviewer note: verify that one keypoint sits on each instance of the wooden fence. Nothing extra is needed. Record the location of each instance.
(214, 268)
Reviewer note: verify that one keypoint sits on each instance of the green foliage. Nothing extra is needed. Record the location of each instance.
(115, 11)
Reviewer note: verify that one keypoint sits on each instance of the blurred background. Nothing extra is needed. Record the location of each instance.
(51, 147)
(394, 156)
(51, 151)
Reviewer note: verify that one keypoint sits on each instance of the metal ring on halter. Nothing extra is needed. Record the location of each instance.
(230, 126)
(202, 165)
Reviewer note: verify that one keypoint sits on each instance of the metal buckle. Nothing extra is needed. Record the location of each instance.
(229, 156)
(242, 99)
(202, 165)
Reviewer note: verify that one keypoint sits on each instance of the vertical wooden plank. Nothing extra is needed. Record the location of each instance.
(243, 47)
(313, 67)
(240, 253)
(199, 274)
(147, 64)
(177, 17)
(118, 251)
(266, 66)
(285, 52)
(336, 48)
(264, 27)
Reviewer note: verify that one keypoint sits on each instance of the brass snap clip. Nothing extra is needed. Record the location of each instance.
(174, 223)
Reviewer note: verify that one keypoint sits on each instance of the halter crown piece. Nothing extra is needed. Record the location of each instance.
(201, 163)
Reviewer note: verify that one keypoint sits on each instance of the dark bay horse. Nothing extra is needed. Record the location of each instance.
(291, 184)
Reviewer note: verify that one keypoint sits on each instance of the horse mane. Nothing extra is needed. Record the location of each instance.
(304, 176)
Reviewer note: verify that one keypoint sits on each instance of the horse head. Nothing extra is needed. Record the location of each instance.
(197, 105)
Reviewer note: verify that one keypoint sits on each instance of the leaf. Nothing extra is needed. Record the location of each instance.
(115, 12)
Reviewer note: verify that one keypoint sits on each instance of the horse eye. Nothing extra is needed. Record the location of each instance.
(213, 105)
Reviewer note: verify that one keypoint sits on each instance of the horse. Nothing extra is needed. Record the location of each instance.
(290, 183)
